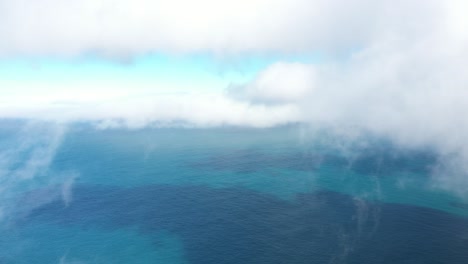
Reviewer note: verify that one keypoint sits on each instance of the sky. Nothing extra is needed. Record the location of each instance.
(393, 68)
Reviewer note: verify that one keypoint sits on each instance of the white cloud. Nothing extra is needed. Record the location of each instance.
(127, 28)
(204, 110)
(411, 89)
(25, 161)
(279, 83)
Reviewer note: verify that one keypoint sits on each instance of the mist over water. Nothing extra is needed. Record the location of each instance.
(224, 195)
(257, 131)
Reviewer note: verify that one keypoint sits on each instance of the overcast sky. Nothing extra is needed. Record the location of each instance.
(395, 68)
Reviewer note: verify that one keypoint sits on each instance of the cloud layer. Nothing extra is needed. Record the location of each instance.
(129, 28)
(394, 68)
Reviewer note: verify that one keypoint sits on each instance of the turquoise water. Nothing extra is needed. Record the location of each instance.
(76, 194)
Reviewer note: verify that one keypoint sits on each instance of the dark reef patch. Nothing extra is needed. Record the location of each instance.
(235, 225)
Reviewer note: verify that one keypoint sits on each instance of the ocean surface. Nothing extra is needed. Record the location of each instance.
(78, 194)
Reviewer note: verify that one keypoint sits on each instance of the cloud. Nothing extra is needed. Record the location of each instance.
(411, 89)
(227, 28)
(203, 110)
(279, 83)
(394, 68)
(25, 161)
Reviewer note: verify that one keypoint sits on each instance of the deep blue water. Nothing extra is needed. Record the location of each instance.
(226, 195)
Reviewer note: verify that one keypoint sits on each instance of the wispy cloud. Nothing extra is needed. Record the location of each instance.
(25, 165)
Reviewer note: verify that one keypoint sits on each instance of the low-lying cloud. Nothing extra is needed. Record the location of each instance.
(25, 161)
(200, 110)
(279, 83)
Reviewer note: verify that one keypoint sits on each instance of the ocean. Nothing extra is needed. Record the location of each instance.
(79, 194)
